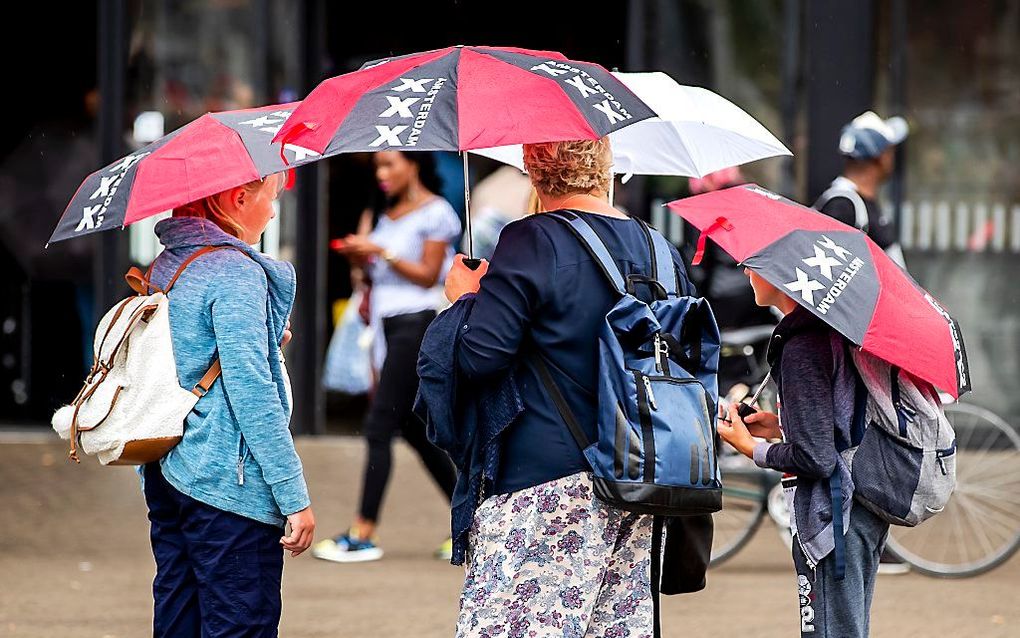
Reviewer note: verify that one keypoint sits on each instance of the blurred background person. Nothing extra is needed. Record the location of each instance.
(500, 198)
(868, 146)
(403, 258)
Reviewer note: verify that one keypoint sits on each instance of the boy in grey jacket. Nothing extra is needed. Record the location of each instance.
(816, 384)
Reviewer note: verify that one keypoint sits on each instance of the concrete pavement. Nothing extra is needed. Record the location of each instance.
(75, 562)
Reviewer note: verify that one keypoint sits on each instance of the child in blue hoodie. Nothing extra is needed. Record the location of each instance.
(219, 502)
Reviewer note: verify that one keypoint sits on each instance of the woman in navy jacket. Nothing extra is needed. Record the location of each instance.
(544, 554)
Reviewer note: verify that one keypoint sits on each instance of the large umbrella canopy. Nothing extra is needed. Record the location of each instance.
(461, 98)
(695, 132)
(837, 273)
(211, 154)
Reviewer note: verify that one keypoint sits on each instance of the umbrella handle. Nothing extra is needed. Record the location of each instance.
(472, 263)
(744, 410)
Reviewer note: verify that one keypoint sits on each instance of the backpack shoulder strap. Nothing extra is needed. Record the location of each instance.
(662, 259)
(559, 401)
(195, 255)
(840, 190)
(595, 247)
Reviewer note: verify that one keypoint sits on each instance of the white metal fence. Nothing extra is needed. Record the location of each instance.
(942, 226)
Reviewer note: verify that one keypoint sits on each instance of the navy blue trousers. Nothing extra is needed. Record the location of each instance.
(217, 573)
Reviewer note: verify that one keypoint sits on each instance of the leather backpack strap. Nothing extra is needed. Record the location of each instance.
(141, 284)
(203, 385)
(187, 262)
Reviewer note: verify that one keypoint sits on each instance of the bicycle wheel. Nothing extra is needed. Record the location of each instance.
(745, 491)
(980, 527)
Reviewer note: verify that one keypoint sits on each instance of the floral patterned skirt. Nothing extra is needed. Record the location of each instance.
(554, 560)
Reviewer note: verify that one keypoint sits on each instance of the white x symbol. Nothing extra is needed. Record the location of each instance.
(127, 163)
(300, 152)
(548, 69)
(263, 120)
(579, 84)
(104, 186)
(399, 107)
(608, 111)
(837, 250)
(87, 215)
(416, 86)
(823, 262)
(805, 286)
(388, 136)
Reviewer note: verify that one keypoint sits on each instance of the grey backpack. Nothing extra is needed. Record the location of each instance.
(903, 449)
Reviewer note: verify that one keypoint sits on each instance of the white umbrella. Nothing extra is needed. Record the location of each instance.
(697, 132)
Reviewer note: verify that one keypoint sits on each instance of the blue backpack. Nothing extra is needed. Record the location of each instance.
(656, 447)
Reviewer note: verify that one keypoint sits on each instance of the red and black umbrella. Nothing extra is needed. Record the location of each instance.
(839, 274)
(461, 98)
(215, 152)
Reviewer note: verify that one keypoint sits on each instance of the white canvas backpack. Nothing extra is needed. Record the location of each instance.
(132, 407)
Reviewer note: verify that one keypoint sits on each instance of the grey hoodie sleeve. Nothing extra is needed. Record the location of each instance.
(808, 419)
(239, 322)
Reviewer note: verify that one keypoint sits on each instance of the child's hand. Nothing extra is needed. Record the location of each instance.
(763, 425)
(302, 530)
(733, 431)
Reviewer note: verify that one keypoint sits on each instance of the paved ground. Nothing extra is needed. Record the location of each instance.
(74, 562)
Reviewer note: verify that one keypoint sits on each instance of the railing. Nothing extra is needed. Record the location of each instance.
(943, 226)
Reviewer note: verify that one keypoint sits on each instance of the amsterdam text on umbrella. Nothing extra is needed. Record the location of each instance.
(461, 98)
(210, 154)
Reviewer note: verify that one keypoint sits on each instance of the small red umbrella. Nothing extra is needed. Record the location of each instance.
(210, 154)
(837, 273)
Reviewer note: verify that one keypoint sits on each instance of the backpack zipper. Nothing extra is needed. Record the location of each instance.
(661, 353)
(649, 394)
(644, 401)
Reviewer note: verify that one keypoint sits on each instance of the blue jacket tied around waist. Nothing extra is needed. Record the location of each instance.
(237, 453)
(466, 424)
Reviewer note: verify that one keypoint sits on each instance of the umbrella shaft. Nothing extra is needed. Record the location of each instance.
(467, 207)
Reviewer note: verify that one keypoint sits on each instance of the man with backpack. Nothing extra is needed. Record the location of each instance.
(868, 145)
(837, 541)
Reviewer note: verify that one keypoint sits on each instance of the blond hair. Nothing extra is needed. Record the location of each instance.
(211, 208)
(561, 168)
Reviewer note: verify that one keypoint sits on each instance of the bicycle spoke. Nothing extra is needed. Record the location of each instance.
(997, 491)
(980, 533)
(983, 452)
(988, 469)
(963, 445)
(995, 512)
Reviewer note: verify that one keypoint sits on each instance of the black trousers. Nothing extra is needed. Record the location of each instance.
(391, 411)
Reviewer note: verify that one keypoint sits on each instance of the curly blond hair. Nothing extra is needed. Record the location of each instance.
(562, 168)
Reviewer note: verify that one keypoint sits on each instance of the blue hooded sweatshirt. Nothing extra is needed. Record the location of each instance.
(237, 453)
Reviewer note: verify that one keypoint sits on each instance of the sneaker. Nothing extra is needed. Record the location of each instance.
(890, 565)
(444, 551)
(344, 549)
